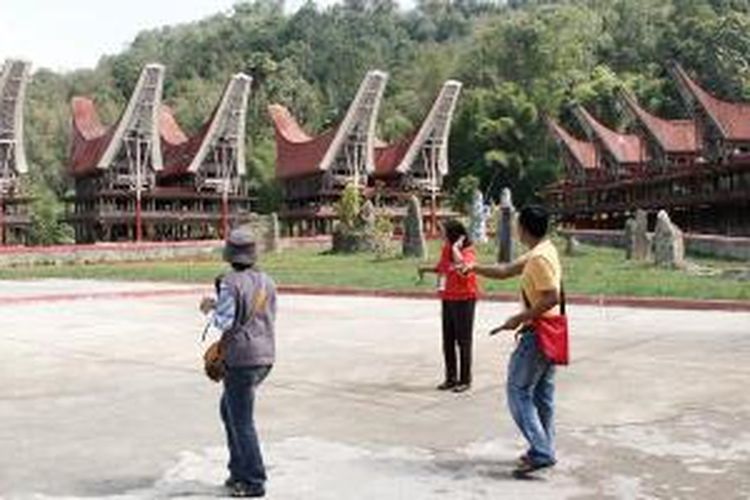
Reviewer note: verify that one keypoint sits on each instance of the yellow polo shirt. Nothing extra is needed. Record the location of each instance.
(542, 272)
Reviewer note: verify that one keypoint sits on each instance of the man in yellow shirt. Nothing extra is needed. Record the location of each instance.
(530, 385)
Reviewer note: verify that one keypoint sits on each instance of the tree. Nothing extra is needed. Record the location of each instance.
(518, 60)
(464, 193)
(347, 209)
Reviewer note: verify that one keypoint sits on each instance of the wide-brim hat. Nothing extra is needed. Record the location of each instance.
(240, 248)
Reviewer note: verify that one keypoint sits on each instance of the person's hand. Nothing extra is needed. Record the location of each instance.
(459, 244)
(420, 274)
(207, 304)
(465, 268)
(511, 323)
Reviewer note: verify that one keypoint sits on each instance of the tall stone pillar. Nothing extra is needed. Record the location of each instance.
(478, 218)
(414, 243)
(504, 231)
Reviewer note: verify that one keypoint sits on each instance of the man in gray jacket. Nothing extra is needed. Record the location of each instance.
(245, 311)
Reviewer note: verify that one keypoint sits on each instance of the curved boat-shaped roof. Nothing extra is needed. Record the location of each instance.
(625, 148)
(178, 149)
(300, 154)
(297, 152)
(583, 152)
(183, 154)
(400, 156)
(673, 136)
(14, 77)
(388, 157)
(732, 119)
(169, 129)
(90, 137)
(95, 146)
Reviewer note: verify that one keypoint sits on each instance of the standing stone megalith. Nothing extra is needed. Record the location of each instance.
(414, 244)
(628, 236)
(668, 245)
(637, 239)
(478, 218)
(505, 227)
(572, 246)
(366, 217)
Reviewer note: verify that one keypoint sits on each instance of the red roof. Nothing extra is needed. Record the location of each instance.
(674, 136)
(584, 152)
(178, 150)
(389, 156)
(170, 130)
(297, 153)
(90, 138)
(732, 119)
(626, 148)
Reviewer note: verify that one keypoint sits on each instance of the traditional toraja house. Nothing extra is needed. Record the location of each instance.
(414, 164)
(418, 163)
(145, 178)
(313, 170)
(14, 215)
(698, 169)
(211, 164)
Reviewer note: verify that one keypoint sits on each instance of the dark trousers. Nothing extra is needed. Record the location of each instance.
(458, 330)
(237, 408)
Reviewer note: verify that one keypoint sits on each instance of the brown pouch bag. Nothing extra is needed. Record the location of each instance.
(213, 362)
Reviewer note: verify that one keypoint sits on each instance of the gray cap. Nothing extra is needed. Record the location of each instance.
(240, 248)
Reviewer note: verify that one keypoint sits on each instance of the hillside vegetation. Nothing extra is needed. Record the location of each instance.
(517, 60)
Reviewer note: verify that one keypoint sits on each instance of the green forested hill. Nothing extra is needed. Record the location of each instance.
(517, 61)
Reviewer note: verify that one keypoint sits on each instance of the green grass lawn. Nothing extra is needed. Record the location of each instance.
(599, 271)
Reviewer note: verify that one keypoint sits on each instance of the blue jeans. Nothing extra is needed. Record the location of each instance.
(531, 398)
(237, 405)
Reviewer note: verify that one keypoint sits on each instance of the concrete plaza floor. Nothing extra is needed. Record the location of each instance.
(104, 398)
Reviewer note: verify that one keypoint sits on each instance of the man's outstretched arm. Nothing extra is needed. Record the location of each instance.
(499, 271)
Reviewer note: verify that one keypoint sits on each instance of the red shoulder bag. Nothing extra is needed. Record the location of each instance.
(552, 333)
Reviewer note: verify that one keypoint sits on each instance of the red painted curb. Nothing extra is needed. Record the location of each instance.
(634, 302)
(133, 294)
(612, 301)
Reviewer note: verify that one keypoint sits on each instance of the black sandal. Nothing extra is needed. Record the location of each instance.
(447, 385)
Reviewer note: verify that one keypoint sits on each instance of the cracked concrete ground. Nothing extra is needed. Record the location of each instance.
(104, 398)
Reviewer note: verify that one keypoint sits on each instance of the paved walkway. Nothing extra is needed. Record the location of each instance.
(104, 398)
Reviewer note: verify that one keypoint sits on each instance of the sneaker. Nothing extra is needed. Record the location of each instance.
(229, 482)
(447, 385)
(523, 459)
(244, 490)
(524, 470)
(461, 388)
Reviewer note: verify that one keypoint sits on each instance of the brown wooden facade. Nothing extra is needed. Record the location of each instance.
(698, 169)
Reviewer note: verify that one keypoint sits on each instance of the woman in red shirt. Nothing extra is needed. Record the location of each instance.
(458, 293)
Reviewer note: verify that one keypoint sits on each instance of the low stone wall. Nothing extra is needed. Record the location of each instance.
(265, 229)
(597, 237)
(105, 252)
(706, 245)
(314, 242)
(718, 246)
